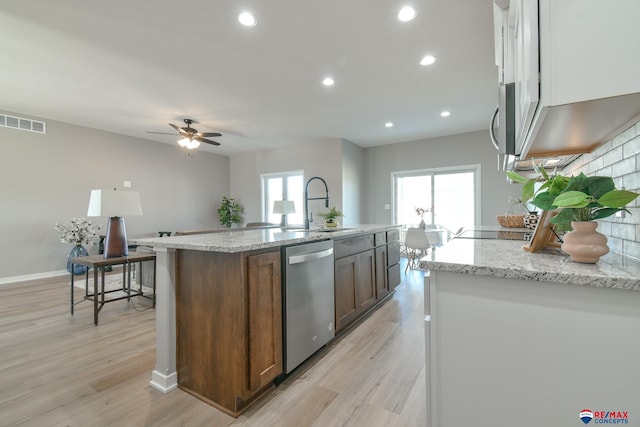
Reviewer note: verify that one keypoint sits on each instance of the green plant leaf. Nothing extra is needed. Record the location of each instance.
(515, 177)
(557, 184)
(617, 198)
(564, 218)
(572, 199)
(599, 185)
(544, 201)
(603, 213)
(527, 191)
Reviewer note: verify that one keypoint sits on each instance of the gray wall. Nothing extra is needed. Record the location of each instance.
(619, 159)
(455, 150)
(47, 178)
(353, 183)
(322, 159)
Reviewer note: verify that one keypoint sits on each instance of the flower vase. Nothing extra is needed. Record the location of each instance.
(76, 251)
(422, 224)
(584, 243)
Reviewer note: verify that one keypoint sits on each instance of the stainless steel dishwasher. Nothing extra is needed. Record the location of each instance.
(308, 300)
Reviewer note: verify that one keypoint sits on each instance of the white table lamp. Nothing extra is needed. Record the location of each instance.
(284, 207)
(115, 205)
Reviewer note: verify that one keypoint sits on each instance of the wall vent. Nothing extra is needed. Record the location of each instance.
(22, 124)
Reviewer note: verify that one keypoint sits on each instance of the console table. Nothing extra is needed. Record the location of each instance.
(99, 264)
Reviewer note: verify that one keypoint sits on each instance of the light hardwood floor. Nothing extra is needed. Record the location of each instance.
(59, 370)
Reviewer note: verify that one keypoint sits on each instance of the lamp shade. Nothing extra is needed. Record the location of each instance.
(284, 207)
(114, 203)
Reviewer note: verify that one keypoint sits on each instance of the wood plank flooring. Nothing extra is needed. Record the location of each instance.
(59, 370)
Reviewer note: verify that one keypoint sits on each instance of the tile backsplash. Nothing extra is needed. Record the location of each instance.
(620, 159)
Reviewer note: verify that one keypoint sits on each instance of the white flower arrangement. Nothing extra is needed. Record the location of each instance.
(80, 231)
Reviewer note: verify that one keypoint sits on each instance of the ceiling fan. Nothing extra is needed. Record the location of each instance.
(191, 137)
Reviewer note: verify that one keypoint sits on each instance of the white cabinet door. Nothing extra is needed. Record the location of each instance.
(524, 21)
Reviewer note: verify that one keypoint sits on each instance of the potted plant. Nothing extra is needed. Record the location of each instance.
(579, 201)
(230, 212)
(331, 217)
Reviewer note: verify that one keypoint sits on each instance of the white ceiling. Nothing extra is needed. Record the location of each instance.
(134, 66)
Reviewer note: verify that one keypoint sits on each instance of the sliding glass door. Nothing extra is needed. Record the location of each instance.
(450, 197)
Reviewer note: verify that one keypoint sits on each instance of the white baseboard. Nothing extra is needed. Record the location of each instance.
(164, 383)
(45, 275)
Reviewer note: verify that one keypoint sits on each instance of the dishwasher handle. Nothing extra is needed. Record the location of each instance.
(297, 259)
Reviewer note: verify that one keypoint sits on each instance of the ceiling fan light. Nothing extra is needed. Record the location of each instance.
(193, 144)
(184, 142)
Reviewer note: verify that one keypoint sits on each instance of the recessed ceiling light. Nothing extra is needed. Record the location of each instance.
(247, 19)
(328, 81)
(388, 125)
(428, 60)
(406, 14)
(445, 114)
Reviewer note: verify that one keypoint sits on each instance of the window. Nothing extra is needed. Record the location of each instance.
(451, 196)
(282, 186)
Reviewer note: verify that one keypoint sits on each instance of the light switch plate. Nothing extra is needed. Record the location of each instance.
(127, 184)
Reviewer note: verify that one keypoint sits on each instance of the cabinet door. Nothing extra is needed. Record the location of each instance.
(382, 284)
(265, 319)
(526, 65)
(345, 291)
(366, 281)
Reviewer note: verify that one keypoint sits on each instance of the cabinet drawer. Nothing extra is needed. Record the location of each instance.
(393, 235)
(393, 253)
(380, 238)
(393, 276)
(354, 245)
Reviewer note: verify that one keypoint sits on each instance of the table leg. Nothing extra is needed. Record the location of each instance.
(72, 267)
(127, 268)
(154, 283)
(95, 295)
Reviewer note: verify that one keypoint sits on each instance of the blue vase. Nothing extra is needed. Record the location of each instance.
(77, 250)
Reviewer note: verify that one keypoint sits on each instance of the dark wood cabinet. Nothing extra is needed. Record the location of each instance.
(228, 325)
(354, 287)
(366, 270)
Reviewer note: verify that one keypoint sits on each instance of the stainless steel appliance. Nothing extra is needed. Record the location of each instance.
(308, 300)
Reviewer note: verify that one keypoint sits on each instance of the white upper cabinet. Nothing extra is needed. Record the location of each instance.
(576, 70)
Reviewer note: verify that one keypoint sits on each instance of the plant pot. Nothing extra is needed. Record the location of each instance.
(584, 244)
(331, 222)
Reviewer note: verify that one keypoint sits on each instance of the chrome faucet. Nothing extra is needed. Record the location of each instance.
(309, 218)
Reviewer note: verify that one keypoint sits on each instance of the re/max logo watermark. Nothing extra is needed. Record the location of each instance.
(604, 417)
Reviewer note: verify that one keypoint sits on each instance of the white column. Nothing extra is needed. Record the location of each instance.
(164, 377)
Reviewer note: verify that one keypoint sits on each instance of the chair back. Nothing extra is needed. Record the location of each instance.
(417, 239)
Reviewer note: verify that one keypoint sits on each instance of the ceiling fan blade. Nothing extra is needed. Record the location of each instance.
(179, 129)
(161, 133)
(208, 134)
(208, 141)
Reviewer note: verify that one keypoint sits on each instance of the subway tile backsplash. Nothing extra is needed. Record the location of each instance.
(620, 159)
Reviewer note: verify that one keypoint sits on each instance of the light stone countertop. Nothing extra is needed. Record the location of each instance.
(248, 239)
(507, 259)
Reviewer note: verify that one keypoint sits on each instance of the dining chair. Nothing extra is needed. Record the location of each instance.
(417, 244)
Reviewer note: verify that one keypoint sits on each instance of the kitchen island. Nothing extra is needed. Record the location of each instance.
(532, 339)
(219, 304)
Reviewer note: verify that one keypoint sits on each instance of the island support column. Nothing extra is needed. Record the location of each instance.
(164, 377)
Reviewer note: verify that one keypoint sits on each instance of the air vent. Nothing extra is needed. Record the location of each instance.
(22, 124)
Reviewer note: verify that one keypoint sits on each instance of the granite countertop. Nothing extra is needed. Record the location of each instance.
(507, 259)
(248, 239)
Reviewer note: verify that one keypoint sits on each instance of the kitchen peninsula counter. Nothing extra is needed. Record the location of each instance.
(507, 259)
(507, 330)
